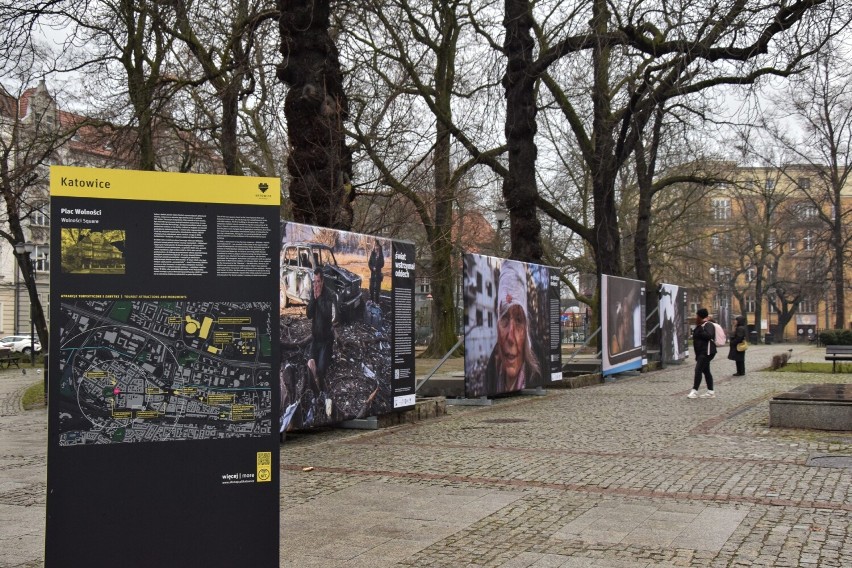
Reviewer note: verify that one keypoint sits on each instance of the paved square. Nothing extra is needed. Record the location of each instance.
(696, 527)
(377, 524)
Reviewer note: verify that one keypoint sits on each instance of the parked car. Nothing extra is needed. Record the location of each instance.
(20, 343)
(298, 261)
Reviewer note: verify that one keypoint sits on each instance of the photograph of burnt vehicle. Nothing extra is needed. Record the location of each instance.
(298, 261)
(336, 322)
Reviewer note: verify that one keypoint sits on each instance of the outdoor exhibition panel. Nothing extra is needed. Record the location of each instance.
(163, 415)
(674, 329)
(622, 325)
(347, 342)
(512, 331)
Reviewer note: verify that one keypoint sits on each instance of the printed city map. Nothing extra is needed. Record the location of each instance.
(154, 370)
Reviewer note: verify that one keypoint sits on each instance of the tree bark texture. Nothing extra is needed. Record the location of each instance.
(319, 163)
(519, 186)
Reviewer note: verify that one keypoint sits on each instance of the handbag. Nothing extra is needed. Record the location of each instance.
(742, 345)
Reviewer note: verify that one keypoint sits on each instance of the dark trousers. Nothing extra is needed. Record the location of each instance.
(375, 288)
(702, 367)
(321, 352)
(740, 367)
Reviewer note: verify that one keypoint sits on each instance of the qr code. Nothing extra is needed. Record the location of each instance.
(264, 458)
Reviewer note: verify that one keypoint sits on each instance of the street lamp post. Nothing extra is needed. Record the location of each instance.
(21, 249)
(724, 280)
(501, 215)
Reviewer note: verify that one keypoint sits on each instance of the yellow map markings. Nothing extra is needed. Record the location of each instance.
(236, 320)
(242, 412)
(192, 325)
(143, 414)
(222, 337)
(217, 398)
(205, 327)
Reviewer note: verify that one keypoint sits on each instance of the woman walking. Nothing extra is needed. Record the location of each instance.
(737, 337)
(703, 337)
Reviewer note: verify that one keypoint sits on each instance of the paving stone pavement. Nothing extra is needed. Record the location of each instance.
(626, 474)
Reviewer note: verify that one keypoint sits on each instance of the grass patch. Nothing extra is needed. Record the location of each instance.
(34, 396)
(801, 367)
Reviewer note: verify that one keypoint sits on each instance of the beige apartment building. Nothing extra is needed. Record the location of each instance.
(770, 250)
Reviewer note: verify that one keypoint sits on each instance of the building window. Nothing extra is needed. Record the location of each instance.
(40, 218)
(771, 304)
(750, 303)
(769, 184)
(806, 307)
(805, 183)
(808, 241)
(716, 242)
(750, 274)
(793, 244)
(693, 307)
(41, 258)
(809, 212)
(771, 242)
(721, 208)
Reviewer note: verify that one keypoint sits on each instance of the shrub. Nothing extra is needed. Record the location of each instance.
(836, 337)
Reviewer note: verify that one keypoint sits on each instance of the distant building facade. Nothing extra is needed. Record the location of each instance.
(38, 134)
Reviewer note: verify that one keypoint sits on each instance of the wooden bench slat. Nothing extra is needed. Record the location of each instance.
(835, 353)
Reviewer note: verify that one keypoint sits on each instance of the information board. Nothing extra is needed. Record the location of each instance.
(163, 441)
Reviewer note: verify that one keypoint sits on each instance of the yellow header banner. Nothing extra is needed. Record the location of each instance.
(97, 183)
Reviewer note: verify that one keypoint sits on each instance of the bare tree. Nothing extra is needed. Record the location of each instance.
(639, 57)
(225, 49)
(31, 135)
(819, 141)
(409, 124)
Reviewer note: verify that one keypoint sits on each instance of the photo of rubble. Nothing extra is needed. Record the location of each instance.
(336, 337)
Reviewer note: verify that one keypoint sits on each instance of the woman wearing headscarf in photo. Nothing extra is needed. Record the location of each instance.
(513, 363)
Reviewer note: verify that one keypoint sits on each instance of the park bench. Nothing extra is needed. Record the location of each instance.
(835, 353)
(9, 358)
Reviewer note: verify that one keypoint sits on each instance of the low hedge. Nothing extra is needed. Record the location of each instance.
(836, 337)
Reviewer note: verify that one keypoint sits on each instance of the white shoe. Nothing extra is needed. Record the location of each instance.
(692, 394)
(709, 394)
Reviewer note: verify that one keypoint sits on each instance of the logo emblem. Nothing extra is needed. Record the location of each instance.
(263, 187)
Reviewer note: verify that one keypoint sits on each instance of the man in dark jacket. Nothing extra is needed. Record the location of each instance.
(320, 310)
(703, 340)
(376, 263)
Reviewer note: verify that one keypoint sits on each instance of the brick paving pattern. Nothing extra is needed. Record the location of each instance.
(625, 474)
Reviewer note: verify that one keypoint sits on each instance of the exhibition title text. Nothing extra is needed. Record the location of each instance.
(402, 266)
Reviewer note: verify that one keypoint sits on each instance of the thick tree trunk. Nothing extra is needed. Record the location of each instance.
(228, 139)
(143, 103)
(320, 163)
(443, 268)
(519, 187)
(607, 241)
